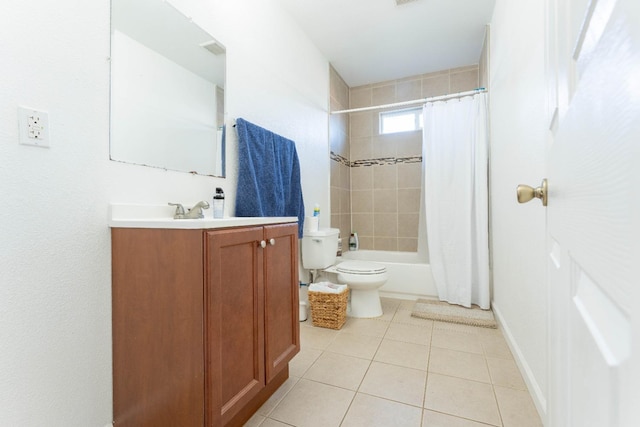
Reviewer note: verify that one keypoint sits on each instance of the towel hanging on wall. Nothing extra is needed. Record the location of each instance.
(268, 174)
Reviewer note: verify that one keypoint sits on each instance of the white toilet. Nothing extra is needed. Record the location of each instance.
(364, 278)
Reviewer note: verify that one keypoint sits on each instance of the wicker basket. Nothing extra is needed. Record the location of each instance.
(328, 310)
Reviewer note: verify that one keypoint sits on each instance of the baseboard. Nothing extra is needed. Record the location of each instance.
(537, 395)
(405, 295)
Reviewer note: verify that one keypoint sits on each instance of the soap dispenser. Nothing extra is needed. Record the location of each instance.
(218, 203)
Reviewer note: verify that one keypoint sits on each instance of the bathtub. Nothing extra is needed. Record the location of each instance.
(409, 276)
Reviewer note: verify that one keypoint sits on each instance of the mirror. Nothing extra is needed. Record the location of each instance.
(167, 90)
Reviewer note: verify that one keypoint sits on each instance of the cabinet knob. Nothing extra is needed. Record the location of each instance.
(263, 244)
(272, 242)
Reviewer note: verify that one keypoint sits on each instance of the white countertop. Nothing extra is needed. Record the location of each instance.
(160, 216)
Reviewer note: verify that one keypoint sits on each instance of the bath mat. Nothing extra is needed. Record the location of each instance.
(445, 312)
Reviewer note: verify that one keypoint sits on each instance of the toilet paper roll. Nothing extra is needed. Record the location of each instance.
(311, 223)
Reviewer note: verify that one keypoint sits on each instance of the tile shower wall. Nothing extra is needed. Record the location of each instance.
(385, 170)
(340, 184)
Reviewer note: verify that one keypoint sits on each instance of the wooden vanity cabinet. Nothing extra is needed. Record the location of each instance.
(204, 322)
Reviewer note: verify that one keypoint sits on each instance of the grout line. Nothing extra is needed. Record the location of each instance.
(393, 311)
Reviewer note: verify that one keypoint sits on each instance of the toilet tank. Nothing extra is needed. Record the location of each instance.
(319, 248)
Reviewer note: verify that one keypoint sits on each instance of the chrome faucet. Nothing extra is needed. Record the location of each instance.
(193, 213)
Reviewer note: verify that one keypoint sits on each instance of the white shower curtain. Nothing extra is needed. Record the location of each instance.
(455, 162)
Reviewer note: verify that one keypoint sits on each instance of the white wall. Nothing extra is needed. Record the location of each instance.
(173, 126)
(55, 286)
(518, 137)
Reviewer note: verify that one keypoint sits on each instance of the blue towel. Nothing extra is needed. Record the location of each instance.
(268, 175)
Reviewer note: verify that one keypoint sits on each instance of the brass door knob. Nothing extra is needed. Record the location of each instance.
(526, 193)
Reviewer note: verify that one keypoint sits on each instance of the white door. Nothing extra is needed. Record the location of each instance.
(593, 173)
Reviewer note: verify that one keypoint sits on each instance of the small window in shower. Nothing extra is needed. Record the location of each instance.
(401, 120)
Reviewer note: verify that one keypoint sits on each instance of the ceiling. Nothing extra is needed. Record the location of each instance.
(370, 41)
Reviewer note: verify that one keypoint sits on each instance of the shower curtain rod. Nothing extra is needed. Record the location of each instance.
(415, 101)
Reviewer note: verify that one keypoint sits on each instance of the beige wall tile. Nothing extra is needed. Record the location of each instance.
(361, 149)
(361, 125)
(384, 94)
(356, 136)
(339, 134)
(375, 122)
(362, 178)
(365, 242)
(435, 74)
(385, 201)
(408, 90)
(334, 104)
(385, 224)
(383, 146)
(407, 245)
(408, 225)
(363, 224)
(339, 89)
(345, 177)
(345, 229)
(339, 144)
(410, 175)
(385, 244)
(334, 198)
(339, 129)
(469, 67)
(360, 97)
(409, 200)
(435, 86)
(335, 174)
(385, 177)
(464, 81)
(345, 201)
(410, 144)
(335, 220)
(362, 201)
(483, 65)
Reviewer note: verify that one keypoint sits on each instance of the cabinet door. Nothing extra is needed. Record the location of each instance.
(282, 328)
(158, 366)
(235, 330)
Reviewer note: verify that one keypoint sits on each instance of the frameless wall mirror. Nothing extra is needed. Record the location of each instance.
(167, 90)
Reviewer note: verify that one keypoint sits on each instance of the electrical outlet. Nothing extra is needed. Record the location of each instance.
(34, 127)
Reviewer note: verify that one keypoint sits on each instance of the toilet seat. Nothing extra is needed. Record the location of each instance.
(361, 267)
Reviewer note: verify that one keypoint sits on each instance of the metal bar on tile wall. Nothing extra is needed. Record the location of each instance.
(415, 101)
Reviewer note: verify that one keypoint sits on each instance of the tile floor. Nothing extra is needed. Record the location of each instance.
(400, 371)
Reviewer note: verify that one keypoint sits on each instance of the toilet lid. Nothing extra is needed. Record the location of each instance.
(361, 267)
